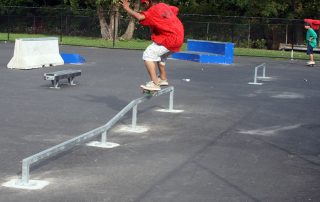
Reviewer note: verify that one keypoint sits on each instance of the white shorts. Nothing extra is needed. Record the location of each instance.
(157, 53)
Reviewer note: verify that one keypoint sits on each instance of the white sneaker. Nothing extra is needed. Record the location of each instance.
(163, 82)
(151, 86)
(311, 63)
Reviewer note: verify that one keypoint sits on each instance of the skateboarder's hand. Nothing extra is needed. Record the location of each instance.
(125, 4)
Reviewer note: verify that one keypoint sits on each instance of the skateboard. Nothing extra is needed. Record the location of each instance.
(148, 92)
(310, 65)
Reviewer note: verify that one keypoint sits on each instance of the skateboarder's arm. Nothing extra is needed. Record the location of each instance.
(126, 6)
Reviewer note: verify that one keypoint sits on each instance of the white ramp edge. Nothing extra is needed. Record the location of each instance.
(32, 53)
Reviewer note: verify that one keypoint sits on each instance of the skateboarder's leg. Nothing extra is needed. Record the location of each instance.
(311, 58)
(153, 56)
(310, 53)
(162, 68)
(162, 71)
(152, 71)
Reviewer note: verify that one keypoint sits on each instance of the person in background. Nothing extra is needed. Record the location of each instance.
(167, 34)
(311, 40)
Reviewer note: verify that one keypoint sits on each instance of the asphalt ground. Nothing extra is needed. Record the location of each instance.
(232, 142)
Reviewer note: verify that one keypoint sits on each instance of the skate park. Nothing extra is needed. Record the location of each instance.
(231, 142)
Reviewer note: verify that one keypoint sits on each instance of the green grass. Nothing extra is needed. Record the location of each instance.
(272, 53)
(84, 41)
(12, 37)
(96, 42)
(142, 44)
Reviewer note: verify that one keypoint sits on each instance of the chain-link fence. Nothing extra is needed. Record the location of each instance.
(245, 32)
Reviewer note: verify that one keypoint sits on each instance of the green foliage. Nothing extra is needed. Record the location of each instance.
(256, 44)
(88, 4)
(267, 8)
(243, 43)
(16, 2)
(259, 44)
(35, 3)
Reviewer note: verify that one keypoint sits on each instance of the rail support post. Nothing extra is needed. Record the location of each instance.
(170, 108)
(24, 182)
(134, 128)
(103, 143)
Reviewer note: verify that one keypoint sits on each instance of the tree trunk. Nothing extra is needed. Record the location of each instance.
(130, 30)
(104, 27)
(131, 26)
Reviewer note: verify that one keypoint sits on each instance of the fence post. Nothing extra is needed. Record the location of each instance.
(208, 27)
(287, 33)
(61, 28)
(66, 25)
(8, 28)
(249, 33)
(114, 29)
(292, 40)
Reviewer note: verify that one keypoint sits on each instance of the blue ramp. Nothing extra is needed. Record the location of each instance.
(207, 52)
(72, 58)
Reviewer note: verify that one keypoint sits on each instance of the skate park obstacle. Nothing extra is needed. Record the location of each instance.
(55, 77)
(72, 58)
(256, 77)
(32, 53)
(26, 183)
(207, 52)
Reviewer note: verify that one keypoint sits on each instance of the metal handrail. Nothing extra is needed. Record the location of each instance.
(102, 130)
(256, 77)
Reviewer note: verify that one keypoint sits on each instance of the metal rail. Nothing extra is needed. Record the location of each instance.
(102, 130)
(256, 77)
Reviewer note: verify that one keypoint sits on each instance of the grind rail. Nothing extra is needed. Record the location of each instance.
(256, 77)
(26, 183)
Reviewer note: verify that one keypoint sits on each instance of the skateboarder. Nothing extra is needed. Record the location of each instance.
(311, 40)
(167, 34)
